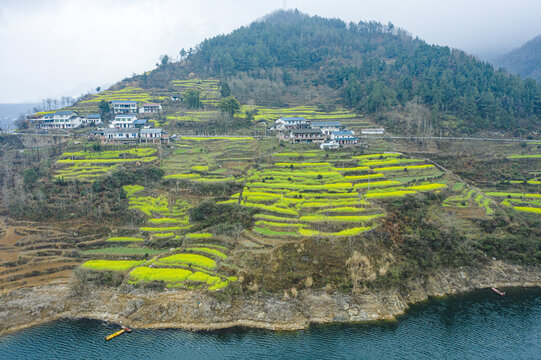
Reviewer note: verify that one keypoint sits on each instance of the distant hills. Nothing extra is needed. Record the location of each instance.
(290, 58)
(524, 61)
(10, 112)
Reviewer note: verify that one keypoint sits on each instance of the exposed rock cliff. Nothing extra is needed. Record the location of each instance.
(198, 310)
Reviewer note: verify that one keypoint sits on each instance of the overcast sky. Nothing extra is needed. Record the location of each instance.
(51, 48)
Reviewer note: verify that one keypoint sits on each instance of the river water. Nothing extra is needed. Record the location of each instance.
(478, 325)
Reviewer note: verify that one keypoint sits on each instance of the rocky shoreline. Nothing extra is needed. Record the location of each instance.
(196, 310)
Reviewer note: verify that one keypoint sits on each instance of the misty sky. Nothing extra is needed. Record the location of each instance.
(52, 48)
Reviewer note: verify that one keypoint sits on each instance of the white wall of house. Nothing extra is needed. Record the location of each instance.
(124, 107)
(123, 121)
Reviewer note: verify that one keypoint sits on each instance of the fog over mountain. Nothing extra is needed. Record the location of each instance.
(524, 61)
(54, 46)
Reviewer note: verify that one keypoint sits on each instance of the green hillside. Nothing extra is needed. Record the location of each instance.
(289, 58)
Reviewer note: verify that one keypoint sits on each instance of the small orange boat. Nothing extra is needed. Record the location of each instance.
(119, 332)
(498, 291)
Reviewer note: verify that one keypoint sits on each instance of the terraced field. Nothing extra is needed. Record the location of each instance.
(327, 198)
(33, 254)
(297, 192)
(210, 92)
(522, 195)
(350, 119)
(89, 165)
(127, 94)
(188, 267)
(211, 159)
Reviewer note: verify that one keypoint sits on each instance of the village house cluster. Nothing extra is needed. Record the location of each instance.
(125, 125)
(123, 110)
(331, 134)
(66, 119)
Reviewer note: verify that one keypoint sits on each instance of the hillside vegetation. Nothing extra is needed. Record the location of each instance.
(289, 57)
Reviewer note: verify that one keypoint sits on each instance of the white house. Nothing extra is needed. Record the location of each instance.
(150, 108)
(123, 121)
(63, 119)
(374, 131)
(291, 123)
(306, 135)
(327, 127)
(92, 119)
(124, 107)
(152, 134)
(121, 134)
(344, 137)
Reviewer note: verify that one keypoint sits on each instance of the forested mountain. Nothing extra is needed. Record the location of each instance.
(374, 68)
(524, 61)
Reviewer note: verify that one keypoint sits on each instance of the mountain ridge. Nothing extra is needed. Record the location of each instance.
(373, 68)
(524, 60)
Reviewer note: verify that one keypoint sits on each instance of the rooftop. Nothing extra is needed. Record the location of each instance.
(123, 102)
(130, 116)
(152, 131)
(120, 131)
(151, 104)
(342, 133)
(93, 116)
(295, 118)
(326, 123)
(340, 138)
(306, 131)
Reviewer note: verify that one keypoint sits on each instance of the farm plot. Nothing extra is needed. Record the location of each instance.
(88, 165)
(194, 115)
(127, 94)
(523, 202)
(308, 112)
(210, 159)
(314, 198)
(195, 266)
(209, 90)
(467, 198)
(522, 195)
